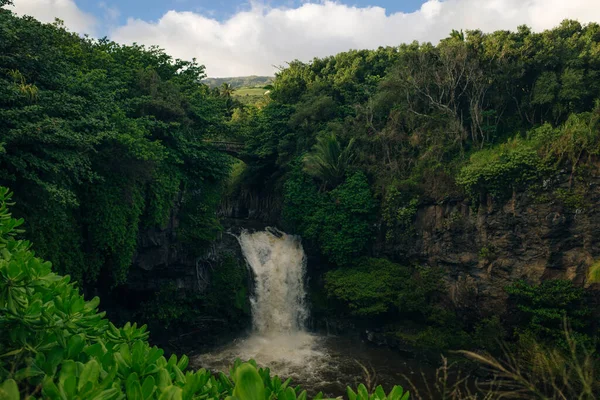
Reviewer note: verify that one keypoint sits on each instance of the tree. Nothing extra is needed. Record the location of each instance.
(329, 161)
(100, 139)
(226, 90)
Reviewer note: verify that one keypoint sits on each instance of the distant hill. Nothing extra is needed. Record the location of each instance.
(240, 81)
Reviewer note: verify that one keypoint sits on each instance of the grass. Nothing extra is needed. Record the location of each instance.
(249, 95)
(250, 91)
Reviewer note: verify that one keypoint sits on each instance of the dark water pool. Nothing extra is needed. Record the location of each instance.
(321, 363)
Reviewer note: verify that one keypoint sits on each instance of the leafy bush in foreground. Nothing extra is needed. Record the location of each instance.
(56, 345)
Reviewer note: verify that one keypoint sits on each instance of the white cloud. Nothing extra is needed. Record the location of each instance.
(254, 40)
(251, 42)
(66, 10)
(111, 14)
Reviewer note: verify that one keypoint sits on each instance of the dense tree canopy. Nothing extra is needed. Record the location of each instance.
(99, 139)
(476, 115)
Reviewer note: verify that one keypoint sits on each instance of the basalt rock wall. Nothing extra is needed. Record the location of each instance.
(485, 248)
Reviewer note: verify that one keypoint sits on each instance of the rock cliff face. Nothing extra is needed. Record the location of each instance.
(483, 249)
(533, 237)
(162, 259)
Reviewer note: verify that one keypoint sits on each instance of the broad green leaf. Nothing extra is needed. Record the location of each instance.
(90, 373)
(9, 390)
(67, 369)
(363, 394)
(148, 387)
(108, 394)
(380, 393)
(50, 390)
(183, 362)
(133, 388)
(248, 384)
(171, 393)
(350, 393)
(75, 346)
(396, 393)
(290, 394)
(69, 386)
(164, 379)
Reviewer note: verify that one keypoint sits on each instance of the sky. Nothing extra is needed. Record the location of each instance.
(255, 37)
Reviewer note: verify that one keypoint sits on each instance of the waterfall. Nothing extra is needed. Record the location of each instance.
(279, 312)
(278, 263)
(279, 340)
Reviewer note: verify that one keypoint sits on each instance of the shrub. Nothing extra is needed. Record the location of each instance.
(489, 334)
(340, 222)
(375, 286)
(434, 340)
(369, 288)
(535, 371)
(501, 169)
(543, 307)
(398, 212)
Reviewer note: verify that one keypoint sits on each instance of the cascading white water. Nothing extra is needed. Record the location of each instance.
(279, 339)
(278, 263)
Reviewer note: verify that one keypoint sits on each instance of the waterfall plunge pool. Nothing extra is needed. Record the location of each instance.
(279, 339)
(319, 363)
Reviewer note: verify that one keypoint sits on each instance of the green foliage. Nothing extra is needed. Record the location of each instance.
(228, 294)
(368, 288)
(199, 223)
(486, 253)
(328, 162)
(114, 240)
(398, 213)
(99, 139)
(415, 112)
(573, 199)
(544, 307)
(501, 170)
(161, 196)
(489, 334)
(421, 294)
(361, 393)
(593, 275)
(532, 369)
(169, 308)
(58, 346)
(226, 297)
(239, 82)
(339, 221)
(378, 289)
(435, 339)
(573, 142)
(374, 286)
(518, 162)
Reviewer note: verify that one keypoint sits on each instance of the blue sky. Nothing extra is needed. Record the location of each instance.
(246, 37)
(152, 10)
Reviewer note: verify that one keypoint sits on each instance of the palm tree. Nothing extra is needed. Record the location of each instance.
(226, 90)
(328, 161)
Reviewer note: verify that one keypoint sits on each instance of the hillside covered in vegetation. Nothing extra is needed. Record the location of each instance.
(239, 81)
(447, 195)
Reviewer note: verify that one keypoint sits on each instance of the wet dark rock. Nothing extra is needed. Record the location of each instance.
(483, 250)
